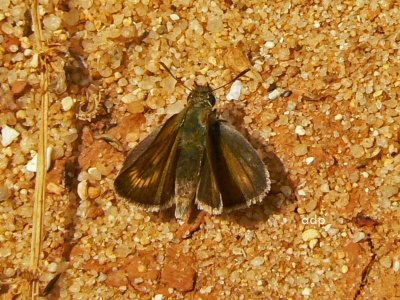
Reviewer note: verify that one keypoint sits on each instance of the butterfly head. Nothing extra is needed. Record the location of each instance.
(202, 94)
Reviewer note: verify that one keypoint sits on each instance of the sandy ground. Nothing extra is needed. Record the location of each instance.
(329, 228)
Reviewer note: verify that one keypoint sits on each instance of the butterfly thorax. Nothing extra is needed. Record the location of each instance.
(202, 95)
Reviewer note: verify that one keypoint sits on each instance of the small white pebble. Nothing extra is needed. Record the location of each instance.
(235, 91)
(309, 160)
(67, 103)
(218, 237)
(158, 297)
(312, 243)
(274, 94)
(13, 48)
(82, 190)
(306, 292)
(138, 280)
(333, 231)
(74, 288)
(129, 98)
(269, 45)
(34, 60)
(357, 151)
(8, 135)
(206, 290)
(51, 22)
(358, 236)
(365, 174)
(257, 261)
(396, 265)
(325, 188)
(345, 269)
(174, 17)
(301, 193)
(310, 234)
(102, 277)
(32, 164)
(52, 267)
(300, 130)
(338, 117)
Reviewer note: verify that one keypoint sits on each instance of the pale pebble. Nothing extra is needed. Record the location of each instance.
(358, 236)
(309, 160)
(310, 234)
(396, 266)
(215, 24)
(175, 108)
(306, 292)
(300, 130)
(67, 103)
(4, 193)
(300, 149)
(311, 205)
(269, 44)
(51, 22)
(206, 290)
(357, 151)
(333, 231)
(235, 91)
(32, 164)
(52, 267)
(257, 261)
(82, 190)
(338, 117)
(174, 17)
(301, 193)
(8, 135)
(128, 98)
(312, 243)
(274, 94)
(385, 262)
(388, 191)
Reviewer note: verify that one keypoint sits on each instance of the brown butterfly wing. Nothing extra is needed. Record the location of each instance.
(208, 196)
(233, 167)
(147, 177)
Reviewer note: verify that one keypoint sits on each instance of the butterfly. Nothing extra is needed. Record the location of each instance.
(194, 157)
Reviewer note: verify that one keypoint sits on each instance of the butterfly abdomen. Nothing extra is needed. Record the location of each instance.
(191, 150)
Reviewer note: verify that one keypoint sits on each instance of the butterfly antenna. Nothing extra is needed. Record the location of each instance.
(170, 73)
(234, 79)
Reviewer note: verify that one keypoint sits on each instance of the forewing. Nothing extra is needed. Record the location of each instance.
(240, 173)
(147, 177)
